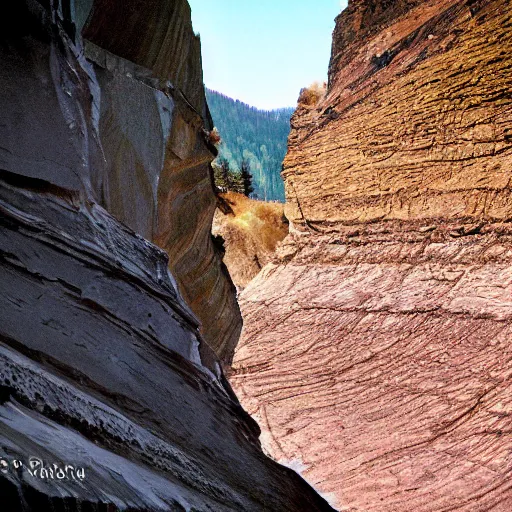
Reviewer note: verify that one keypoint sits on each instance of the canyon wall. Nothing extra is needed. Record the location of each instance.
(110, 396)
(376, 348)
(153, 121)
(129, 122)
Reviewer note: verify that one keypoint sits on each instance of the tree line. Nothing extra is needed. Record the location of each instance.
(253, 138)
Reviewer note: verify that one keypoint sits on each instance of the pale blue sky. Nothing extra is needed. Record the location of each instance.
(263, 52)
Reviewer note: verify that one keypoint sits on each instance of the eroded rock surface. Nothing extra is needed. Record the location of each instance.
(376, 347)
(102, 363)
(126, 127)
(152, 120)
(416, 122)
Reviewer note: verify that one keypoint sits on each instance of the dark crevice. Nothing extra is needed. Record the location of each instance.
(5, 394)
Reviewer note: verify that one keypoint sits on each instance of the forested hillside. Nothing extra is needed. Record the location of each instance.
(258, 136)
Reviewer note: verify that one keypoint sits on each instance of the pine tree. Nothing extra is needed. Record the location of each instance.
(225, 174)
(245, 173)
(227, 178)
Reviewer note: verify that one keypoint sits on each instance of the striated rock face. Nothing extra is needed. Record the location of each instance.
(416, 120)
(376, 348)
(382, 362)
(129, 134)
(110, 398)
(149, 70)
(145, 39)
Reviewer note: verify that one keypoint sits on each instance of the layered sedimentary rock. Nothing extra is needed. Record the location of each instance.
(416, 122)
(376, 348)
(129, 127)
(152, 122)
(110, 398)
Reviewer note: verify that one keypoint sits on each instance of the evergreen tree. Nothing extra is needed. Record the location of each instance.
(225, 173)
(258, 136)
(227, 178)
(245, 173)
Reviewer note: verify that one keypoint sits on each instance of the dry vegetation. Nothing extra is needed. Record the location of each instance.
(214, 137)
(251, 234)
(310, 96)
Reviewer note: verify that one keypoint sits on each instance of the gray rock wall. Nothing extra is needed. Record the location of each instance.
(110, 397)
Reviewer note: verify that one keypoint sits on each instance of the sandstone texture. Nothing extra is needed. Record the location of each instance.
(249, 232)
(416, 121)
(126, 124)
(376, 348)
(102, 363)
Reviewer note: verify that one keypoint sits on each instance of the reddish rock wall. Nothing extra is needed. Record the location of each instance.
(376, 348)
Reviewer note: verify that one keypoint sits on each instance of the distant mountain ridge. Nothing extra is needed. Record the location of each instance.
(260, 136)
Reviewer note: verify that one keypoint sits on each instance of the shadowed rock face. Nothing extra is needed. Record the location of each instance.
(376, 347)
(102, 365)
(130, 135)
(152, 119)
